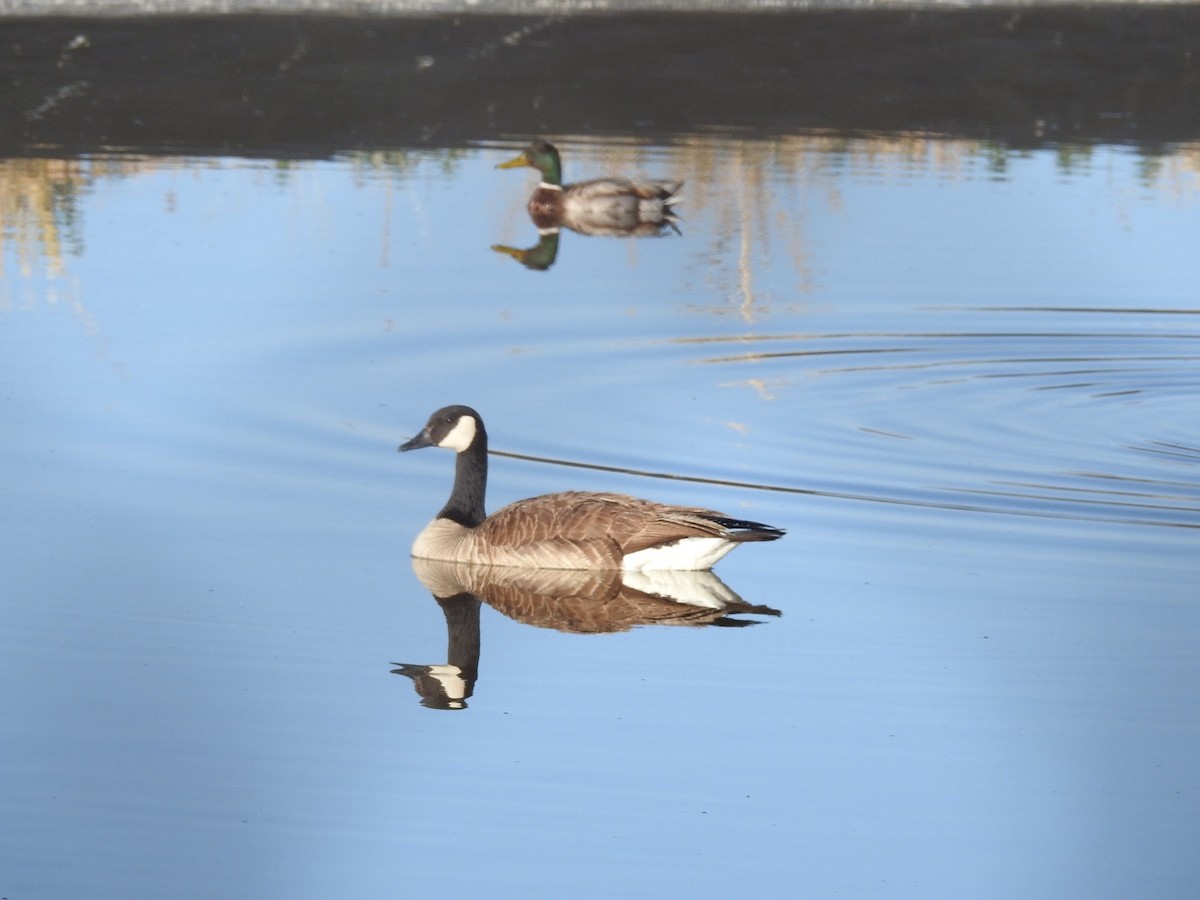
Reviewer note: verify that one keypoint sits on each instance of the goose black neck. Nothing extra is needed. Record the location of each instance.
(465, 505)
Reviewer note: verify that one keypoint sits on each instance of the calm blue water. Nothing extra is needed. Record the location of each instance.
(964, 381)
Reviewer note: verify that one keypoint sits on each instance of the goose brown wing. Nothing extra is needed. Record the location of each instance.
(627, 524)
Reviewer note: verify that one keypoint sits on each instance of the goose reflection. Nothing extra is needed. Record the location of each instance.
(574, 601)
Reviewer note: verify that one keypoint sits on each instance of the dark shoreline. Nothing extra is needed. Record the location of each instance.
(313, 86)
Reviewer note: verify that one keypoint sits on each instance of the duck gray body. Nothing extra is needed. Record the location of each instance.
(612, 206)
(570, 530)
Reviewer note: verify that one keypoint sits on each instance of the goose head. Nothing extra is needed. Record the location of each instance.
(456, 428)
(459, 428)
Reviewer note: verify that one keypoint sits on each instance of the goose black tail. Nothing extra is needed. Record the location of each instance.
(745, 530)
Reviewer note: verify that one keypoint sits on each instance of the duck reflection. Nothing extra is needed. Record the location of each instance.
(575, 601)
(540, 256)
(600, 207)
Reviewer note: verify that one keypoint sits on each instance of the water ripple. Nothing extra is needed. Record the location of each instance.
(1091, 424)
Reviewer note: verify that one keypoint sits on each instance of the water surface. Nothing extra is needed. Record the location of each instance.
(963, 378)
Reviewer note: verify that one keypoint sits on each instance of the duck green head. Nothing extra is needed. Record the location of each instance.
(541, 156)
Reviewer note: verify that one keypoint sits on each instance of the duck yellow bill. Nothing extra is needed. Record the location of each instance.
(521, 160)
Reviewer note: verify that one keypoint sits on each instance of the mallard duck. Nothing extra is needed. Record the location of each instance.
(572, 530)
(600, 206)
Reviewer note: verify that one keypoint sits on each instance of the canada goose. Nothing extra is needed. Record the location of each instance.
(599, 206)
(571, 530)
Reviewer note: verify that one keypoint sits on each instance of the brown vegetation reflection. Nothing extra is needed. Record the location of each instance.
(572, 601)
(745, 190)
(38, 205)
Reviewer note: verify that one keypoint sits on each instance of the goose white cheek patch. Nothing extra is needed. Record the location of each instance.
(459, 437)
